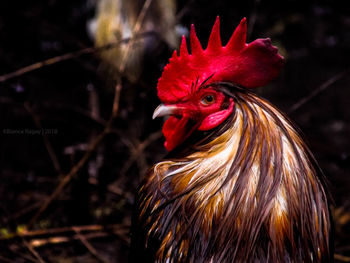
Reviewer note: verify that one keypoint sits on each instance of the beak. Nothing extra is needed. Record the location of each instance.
(165, 110)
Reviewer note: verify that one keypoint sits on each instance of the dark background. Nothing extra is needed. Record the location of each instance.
(313, 36)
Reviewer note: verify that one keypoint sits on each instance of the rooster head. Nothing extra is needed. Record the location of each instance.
(187, 87)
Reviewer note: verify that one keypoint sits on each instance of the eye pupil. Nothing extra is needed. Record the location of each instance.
(209, 98)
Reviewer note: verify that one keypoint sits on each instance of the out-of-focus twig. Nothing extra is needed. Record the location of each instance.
(24, 211)
(341, 258)
(89, 247)
(115, 228)
(114, 189)
(28, 258)
(136, 29)
(40, 242)
(55, 105)
(252, 18)
(80, 111)
(44, 237)
(317, 91)
(33, 251)
(67, 56)
(95, 142)
(2, 259)
(137, 150)
(184, 10)
(47, 143)
(66, 179)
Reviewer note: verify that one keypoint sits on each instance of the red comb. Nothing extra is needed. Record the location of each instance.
(247, 65)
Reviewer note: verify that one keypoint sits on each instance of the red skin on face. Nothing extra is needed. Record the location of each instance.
(203, 116)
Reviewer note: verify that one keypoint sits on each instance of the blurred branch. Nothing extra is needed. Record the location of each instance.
(137, 150)
(52, 231)
(40, 242)
(341, 258)
(33, 251)
(75, 109)
(2, 259)
(317, 91)
(39, 238)
(252, 18)
(135, 31)
(87, 114)
(47, 143)
(91, 249)
(184, 10)
(114, 189)
(68, 56)
(137, 154)
(52, 104)
(24, 211)
(22, 255)
(95, 142)
(92, 146)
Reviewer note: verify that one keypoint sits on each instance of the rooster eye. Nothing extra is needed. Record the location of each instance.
(208, 99)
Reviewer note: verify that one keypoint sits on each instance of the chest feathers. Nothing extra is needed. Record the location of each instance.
(245, 193)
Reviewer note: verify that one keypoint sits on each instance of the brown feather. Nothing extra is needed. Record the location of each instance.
(245, 192)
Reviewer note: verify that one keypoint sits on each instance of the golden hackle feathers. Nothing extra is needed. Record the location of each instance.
(248, 191)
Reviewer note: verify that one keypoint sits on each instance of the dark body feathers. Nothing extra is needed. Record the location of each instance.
(247, 191)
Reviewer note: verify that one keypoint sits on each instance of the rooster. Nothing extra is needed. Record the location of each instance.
(239, 184)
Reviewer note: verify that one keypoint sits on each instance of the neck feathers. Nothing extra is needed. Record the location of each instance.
(246, 192)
